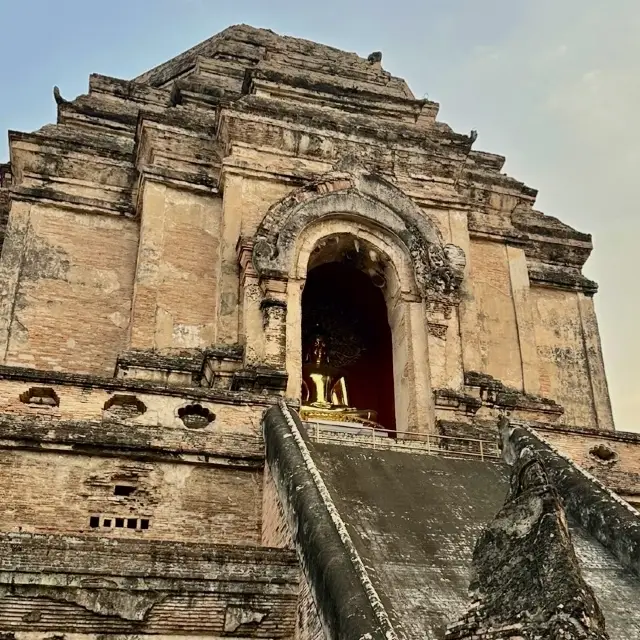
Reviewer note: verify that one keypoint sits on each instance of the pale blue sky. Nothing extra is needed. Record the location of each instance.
(552, 84)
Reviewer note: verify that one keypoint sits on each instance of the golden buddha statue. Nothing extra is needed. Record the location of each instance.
(324, 389)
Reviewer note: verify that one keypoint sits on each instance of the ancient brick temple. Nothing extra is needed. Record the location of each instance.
(272, 339)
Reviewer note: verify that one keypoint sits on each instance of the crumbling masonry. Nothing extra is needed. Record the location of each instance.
(155, 477)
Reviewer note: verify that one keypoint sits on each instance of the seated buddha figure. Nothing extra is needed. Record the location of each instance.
(324, 389)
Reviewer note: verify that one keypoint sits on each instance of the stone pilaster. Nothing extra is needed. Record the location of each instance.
(176, 281)
(294, 337)
(274, 313)
(411, 370)
(251, 329)
(595, 362)
(524, 319)
(467, 311)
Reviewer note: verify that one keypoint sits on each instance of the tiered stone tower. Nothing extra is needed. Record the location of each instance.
(176, 245)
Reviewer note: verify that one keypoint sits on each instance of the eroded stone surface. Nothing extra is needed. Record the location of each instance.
(527, 580)
(255, 137)
(156, 241)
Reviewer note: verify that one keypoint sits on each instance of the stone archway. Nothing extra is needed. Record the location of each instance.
(421, 269)
(405, 311)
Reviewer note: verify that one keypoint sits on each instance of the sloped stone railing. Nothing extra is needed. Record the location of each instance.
(385, 439)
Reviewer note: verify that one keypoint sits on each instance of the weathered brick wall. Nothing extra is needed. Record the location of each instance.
(275, 532)
(177, 274)
(52, 492)
(68, 286)
(497, 330)
(245, 203)
(612, 458)
(308, 626)
(81, 403)
(191, 615)
(542, 341)
(160, 588)
(564, 372)
(257, 197)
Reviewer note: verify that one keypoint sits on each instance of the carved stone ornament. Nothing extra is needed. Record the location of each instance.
(438, 330)
(438, 268)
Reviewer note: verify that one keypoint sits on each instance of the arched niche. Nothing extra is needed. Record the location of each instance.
(419, 268)
(405, 314)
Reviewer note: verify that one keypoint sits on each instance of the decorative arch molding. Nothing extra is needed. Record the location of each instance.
(390, 250)
(438, 267)
(422, 287)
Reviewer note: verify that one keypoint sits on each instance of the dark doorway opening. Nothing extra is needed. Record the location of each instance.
(343, 304)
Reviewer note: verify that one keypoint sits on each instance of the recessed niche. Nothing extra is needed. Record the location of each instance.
(123, 490)
(109, 522)
(195, 416)
(124, 407)
(40, 396)
(603, 454)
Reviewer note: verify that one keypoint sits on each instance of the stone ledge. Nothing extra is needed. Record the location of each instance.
(226, 351)
(128, 90)
(70, 138)
(560, 277)
(99, 587)
(345, 90)
(494, 393)
(451, 399)
(115, 116)
(87, 437)
(182, 369)
(40, 376)
(186, 180)
(220, 364)
(157, 558)
(48, 195)
(191, 121)
(186, 361)
(259, 379)
(537, 223)
(590, 432)
(481, 429)
(452, 145)
(555, 252)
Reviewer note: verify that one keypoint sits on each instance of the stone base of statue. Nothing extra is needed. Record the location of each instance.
(365, 417)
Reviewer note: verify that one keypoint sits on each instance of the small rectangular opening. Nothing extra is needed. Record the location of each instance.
(123, 490)
(132, 523)
(144, 523)
(106, 522)
(94, 521)
(119, 523)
